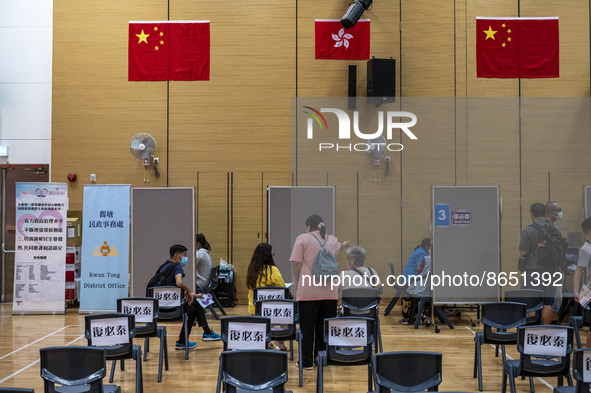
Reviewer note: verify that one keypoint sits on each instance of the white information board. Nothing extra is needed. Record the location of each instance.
(40, 244)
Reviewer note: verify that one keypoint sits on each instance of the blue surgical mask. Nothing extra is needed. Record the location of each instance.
(184, 261)
(559, 216)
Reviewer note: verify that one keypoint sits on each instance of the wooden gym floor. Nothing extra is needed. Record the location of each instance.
(21, 337)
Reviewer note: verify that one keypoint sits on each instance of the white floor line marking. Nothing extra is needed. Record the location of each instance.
(509, 357)
(19, 371)
(34, 342)
(32, 364)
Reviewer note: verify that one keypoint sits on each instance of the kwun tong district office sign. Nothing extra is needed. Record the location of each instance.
(334, 129)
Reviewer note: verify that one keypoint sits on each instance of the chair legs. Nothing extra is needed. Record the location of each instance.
(478, 362)
(163, 351)
(139, 379)
(217, 302)
(394, 300)
(320, 360)
(146, 347)
(215, 314)
(186, 332)
(299, 340)
(379, 346)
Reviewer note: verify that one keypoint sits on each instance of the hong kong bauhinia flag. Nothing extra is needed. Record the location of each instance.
(334, 42)
(168, 50)
(517, 47)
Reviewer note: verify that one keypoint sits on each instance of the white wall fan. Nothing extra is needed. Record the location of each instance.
(376, 150)
(143, 147)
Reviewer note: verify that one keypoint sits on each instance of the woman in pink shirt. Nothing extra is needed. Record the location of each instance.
(315, 302)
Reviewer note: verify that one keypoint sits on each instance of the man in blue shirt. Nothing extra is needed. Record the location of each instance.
(178, 257)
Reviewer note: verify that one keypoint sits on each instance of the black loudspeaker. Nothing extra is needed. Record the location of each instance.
(381, 80)
(352, 86)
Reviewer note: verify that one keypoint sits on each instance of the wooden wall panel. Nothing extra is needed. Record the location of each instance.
(427, 49)
(428, 161)
(493, 160)
(555, 140)
(96, 111)
(212, 210)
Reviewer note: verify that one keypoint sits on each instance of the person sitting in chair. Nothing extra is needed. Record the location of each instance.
(178, 256)
(359, 275)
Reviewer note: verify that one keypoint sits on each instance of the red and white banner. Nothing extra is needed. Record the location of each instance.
(169, 50)
(517, 47)
(333, 41)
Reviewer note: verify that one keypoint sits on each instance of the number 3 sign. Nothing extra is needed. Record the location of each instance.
(442, 213)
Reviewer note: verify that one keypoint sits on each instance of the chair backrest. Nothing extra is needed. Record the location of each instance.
(502, 316)
(361, 301)
(349, 339)
(114, 332)
(282, 313)
(73, 366)
(254, 370)
(245, 332)
(544, 341)
(145, 310)
(582, 369)
(171, 301)
(533, 298)
(269, 293)
(407, 371)
(214, 278)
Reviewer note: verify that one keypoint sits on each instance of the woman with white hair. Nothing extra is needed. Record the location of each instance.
(359, 275)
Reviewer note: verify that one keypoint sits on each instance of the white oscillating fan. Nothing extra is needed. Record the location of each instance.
(375, 151)
(143, 147)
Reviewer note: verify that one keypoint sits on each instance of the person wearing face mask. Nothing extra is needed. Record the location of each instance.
(178, 257)
(553, 212)
(359, 275)
(584, 264)
(413, 263)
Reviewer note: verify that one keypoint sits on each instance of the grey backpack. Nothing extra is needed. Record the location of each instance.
(325, 263)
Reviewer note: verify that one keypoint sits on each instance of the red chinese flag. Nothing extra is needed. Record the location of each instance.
(334, 42)
(517, 48)
(164, 50)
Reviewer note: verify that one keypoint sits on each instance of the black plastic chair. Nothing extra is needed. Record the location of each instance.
(580, 359)
(171, 307)
(349, 342)
(72, 369)
(539, 348)
(254, 370)
(214, 279)
(364, 302)
(269, 293)
(568, 295)
(283, 313)
(533, 299)
(407, 371)
(501, 316)
(231, 342)
(399, 293)
(237, 336)
(145, 310)
(114, 332)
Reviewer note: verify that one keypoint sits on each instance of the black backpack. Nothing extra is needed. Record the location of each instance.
(158, 279)
(550, 252)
